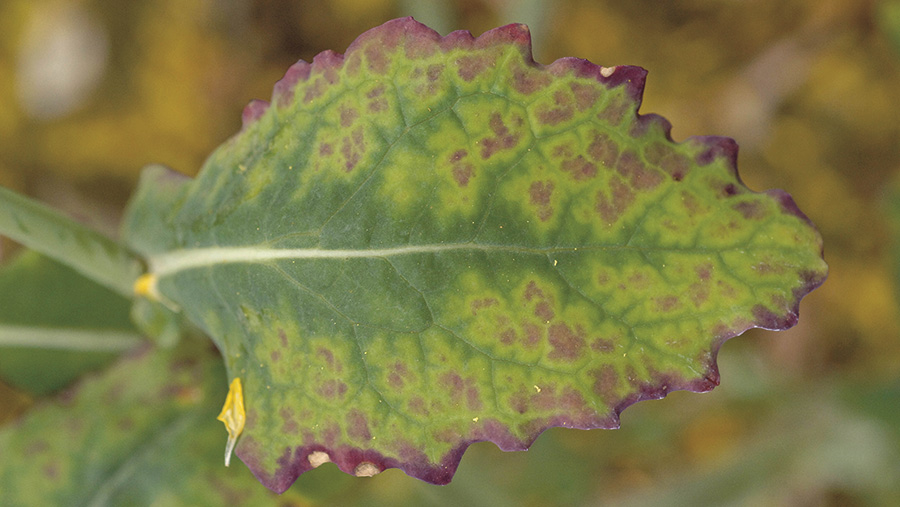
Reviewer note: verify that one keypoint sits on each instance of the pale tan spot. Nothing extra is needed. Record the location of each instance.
(318, 458)
(366, 469)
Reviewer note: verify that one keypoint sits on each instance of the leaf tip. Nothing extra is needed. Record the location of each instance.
(233, 416)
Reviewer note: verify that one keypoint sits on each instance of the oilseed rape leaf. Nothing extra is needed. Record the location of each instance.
(141, 432)
(431, 241)
(56, 325)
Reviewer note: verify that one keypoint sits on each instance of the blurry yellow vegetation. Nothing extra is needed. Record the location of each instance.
(809, 88)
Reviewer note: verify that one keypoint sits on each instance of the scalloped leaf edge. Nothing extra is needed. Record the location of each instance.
(367, 462)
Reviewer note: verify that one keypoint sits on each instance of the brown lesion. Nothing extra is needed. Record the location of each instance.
(428, 79)
(461, 169)
(504, 138)
(603, 150)
(332, 389)
(377, 100)
(615, 111)
(664, 156)
(567, 344)
(289, 423)
(479, 304)
(314, 89)
(699, 290)
(358, 426)
(611, 207)
(462, 391)
(330, 361)
(543, 311)
(348, 116)
(376, 58)
(751, 210)
(508, 336)
(586, 95)
(533, 335)
(470, 67)
(417, 406)
(353, 148)
(667, 303)
(399, 375)
(532, 291)
(606, 383)
(579, 168)
(561, 111)
(699, 293)
(539, 194)
(636, 173)
(527, 81)
(602, 345)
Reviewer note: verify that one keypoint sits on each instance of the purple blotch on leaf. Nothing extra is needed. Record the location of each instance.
(253, 111)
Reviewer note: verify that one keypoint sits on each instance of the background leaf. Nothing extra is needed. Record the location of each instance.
(55, 235)
(433, 241)
(130, 436)
(56, 325)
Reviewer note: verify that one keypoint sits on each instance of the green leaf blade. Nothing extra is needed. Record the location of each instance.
(57, 236)
(432, 241)
(141, 432)
(56, 325)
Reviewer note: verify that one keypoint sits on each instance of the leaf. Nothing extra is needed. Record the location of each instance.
(143, 433)
(89, 252)
(56, 325)
(431, 241)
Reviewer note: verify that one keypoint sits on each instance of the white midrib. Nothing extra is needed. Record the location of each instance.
(96, 340)
(175, 261)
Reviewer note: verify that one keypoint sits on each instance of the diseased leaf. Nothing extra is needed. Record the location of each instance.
(56, 325)
(142, 433)
(431, 241)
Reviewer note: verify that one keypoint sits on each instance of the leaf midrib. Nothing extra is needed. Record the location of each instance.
(65, 338)
(175, 261)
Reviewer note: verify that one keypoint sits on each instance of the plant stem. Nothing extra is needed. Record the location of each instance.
(89, 252)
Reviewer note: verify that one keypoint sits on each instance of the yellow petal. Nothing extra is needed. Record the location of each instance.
(145, 286)
(233, 416)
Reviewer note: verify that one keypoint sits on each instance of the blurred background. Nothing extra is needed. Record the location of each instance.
(92, 90)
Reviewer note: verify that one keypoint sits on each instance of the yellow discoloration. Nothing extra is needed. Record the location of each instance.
(145, 286)
(233, 416)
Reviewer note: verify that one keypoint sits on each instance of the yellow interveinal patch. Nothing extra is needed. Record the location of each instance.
(233, 416)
